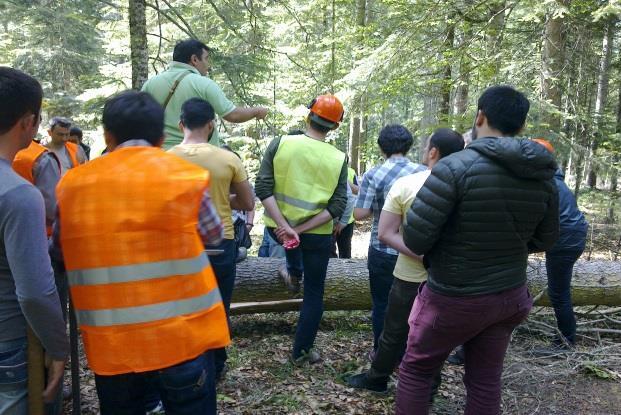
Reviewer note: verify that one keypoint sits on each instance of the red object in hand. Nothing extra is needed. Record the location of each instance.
(291, 244)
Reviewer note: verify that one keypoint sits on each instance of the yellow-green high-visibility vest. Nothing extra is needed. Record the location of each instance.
(306, 173)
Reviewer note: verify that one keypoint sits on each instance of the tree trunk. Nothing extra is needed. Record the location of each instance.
(429, 120)
(494, 35)
(552, 63)
(602, 97)
(356, 121)
(460, 101)
(258, 288)
(138, 43)
(447, 81)
(354, 133)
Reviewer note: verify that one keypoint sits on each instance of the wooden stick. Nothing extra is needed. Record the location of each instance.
(75, 360)
(36, 375)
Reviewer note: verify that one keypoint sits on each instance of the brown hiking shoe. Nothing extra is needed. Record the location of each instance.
(291, 281)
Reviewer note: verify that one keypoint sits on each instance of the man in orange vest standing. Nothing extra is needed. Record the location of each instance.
(69, 154)
(131, 229)
(40, 167)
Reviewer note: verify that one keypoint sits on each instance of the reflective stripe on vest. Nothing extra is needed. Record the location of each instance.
(302, 204)
(137, 272)
(143, 290)
(306, 174)
(148, 313)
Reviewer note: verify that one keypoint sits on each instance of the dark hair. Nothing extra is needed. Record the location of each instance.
(318, 127)
(134, 115)
(196, 113)
(186, 48)
(447, 141)
(505, 108)
(76, 131)
(59, 122)
(394, 139)
(20, 94)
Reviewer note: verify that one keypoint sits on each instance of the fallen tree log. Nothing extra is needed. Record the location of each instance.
(258, 289)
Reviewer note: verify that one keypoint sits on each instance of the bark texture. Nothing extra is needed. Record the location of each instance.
(258, 288)
(603, 81)
(552, 61)
(138, 43)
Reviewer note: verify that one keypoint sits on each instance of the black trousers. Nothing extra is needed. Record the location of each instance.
(394, 337)
(343, 240)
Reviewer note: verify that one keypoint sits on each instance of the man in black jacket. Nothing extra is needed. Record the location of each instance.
(475, 220)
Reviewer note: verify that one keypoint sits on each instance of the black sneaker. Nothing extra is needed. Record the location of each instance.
(311, 357)
(361, 381)
(291, 281)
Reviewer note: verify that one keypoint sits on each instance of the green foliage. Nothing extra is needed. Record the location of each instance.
(391, 61)
(58, 43)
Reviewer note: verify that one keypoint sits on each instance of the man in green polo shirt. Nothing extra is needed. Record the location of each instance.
(184, 79)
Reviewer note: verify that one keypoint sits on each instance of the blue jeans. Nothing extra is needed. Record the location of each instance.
(187, 388)
(13, 377)
(560, 267)
(380, 265)
(224, 266)
(269, 247)
(310, 259)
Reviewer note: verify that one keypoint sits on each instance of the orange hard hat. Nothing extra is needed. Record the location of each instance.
(326, 110)
(544, 143)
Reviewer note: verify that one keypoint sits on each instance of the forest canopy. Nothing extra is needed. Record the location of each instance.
(421, 63)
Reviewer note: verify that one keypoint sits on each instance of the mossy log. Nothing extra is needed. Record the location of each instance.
(258, 289)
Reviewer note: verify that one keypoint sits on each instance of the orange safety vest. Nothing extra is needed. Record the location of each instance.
(72, 149)
(24, 162)
(143, 290)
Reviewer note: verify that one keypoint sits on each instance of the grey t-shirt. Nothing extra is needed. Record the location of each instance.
(27, 289)
(46, 176)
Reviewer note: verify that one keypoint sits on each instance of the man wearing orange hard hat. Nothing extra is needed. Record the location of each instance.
(302, 183)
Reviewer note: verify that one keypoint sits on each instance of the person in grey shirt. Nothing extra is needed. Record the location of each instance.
(28, 294)
(44, 173)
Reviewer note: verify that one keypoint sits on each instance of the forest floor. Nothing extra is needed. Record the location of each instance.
(260, 379)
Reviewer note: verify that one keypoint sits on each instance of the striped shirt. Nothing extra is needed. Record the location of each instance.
(375, 186)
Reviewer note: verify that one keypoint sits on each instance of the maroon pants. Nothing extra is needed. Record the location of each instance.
(438, 324)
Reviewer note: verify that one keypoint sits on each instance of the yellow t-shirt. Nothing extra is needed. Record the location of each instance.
(224, 168)
(398, 201)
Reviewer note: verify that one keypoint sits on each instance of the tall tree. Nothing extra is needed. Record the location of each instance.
(356, 128)
(138, 42)
(447, 76)
(552, 61)
(601, 99)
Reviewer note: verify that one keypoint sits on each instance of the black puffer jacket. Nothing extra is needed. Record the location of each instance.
(481, 212)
